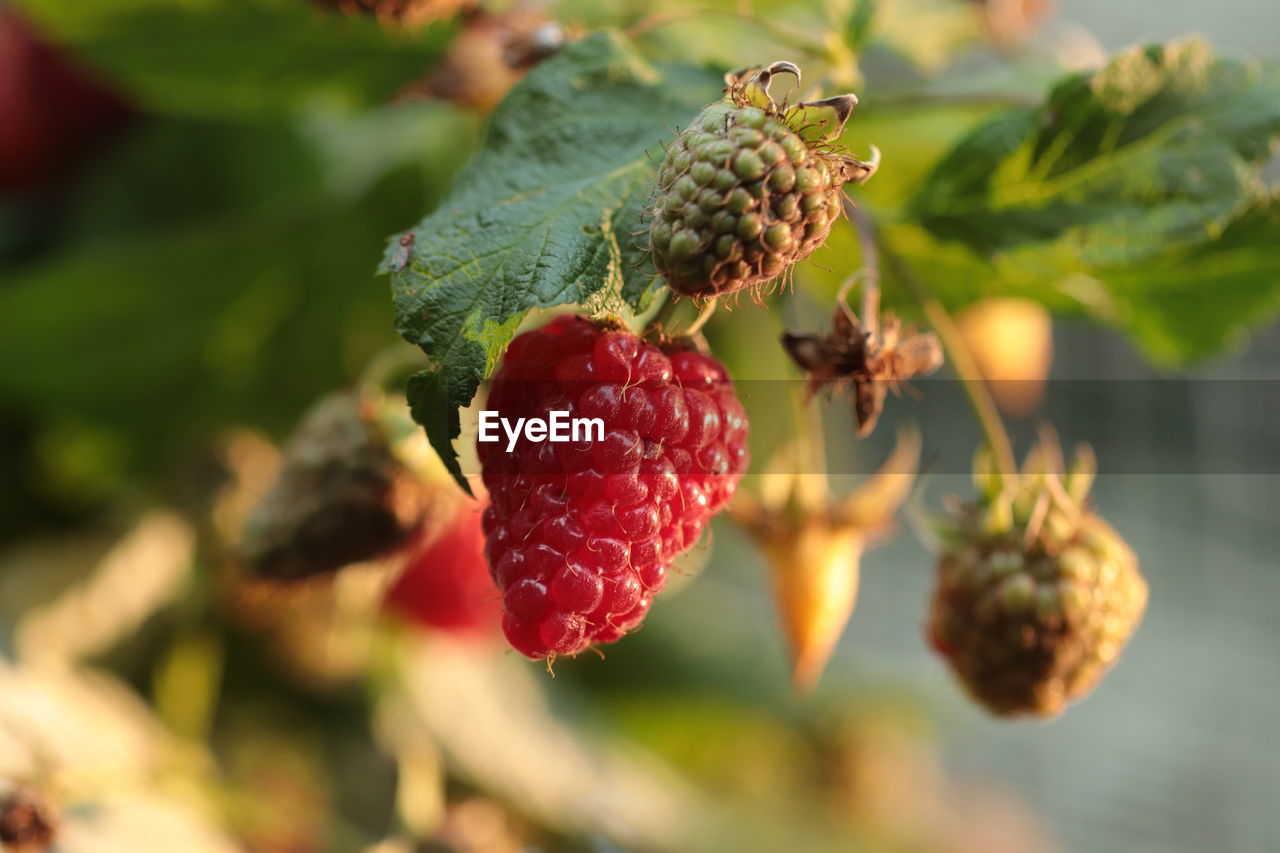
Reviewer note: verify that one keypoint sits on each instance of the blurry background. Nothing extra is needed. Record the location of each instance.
(193, 197)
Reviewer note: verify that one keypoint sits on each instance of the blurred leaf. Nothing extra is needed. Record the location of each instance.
(926, 33)
(241, 319)
(911, 136)
(859, 21)
(238, 57)
(543, 216)
(1134, 194)
(1160, 147)
(252, 167)
(356, 149)
(1195, 301)
(221, 168)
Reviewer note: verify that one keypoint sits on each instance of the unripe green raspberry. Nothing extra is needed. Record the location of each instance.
(771, 168)
(1030, 614)
(341, 497)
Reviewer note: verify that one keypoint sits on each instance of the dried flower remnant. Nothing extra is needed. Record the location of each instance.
(863, 360)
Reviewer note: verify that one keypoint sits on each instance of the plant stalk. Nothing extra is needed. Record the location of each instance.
(953, 343)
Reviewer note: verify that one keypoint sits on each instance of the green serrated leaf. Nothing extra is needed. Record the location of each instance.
(547, 213)
(1197, 301)
(1136, 192)
(1161, 147)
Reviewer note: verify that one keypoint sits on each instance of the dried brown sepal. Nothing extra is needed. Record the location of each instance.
(820, 123)
(863, 362)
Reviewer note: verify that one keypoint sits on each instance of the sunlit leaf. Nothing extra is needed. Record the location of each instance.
(546, 214)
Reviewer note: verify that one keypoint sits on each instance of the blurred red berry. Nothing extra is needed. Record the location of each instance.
(52, 113)
(446, 584)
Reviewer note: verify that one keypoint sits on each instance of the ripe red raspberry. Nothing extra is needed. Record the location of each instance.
(580, 535)
(446, 583)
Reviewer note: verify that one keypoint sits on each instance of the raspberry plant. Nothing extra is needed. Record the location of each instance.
(601, 209)
(174, 295)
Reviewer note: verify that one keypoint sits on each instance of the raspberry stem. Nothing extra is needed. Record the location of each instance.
(661, 323)
(814, 490)
(703, 316)
(813, 493)
(958, 354)
(661, 318)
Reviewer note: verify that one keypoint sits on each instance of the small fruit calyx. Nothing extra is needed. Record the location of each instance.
(864, 358)
(751, 187)
(813, 544)
(1036, 595)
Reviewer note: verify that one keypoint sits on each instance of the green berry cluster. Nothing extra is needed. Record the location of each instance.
(747, 190)
(1035, 597)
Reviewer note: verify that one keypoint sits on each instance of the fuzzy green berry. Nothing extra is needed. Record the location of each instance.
(1036, 596)
(771, 169)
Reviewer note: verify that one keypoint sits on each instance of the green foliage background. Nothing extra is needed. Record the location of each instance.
(217, 267)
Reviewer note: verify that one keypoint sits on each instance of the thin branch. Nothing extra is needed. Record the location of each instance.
(958, 354)
(703, 317)
(661, 319)
(870, 272)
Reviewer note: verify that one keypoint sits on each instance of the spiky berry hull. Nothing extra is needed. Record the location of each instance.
(1029, 629)
(740, 198)
(581, 534)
